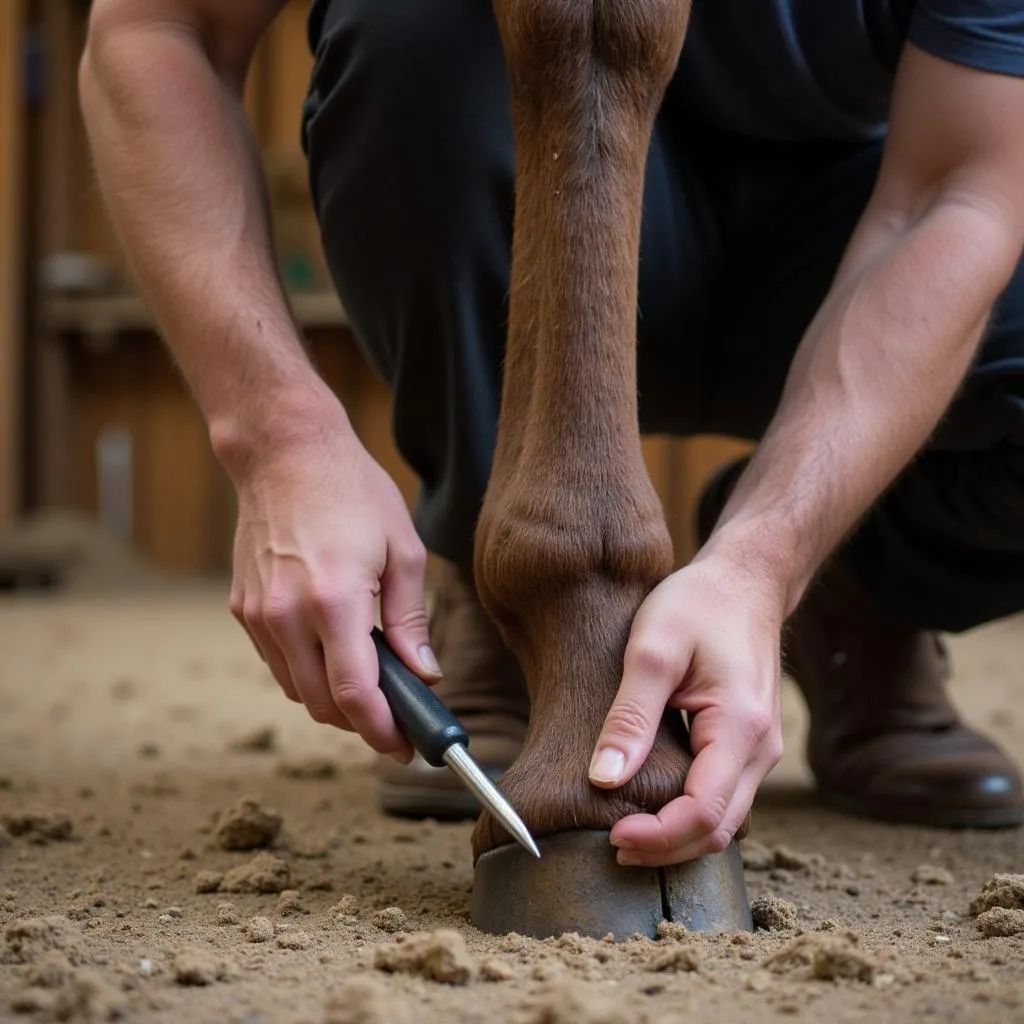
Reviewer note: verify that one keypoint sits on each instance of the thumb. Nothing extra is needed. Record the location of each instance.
(403, 612)
(649, 679)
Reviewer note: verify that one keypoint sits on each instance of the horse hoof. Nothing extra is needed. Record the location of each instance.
(577, 886)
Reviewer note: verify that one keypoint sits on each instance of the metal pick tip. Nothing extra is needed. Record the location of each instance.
(458, 758)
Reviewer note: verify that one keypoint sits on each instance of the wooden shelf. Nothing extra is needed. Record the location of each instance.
(109, 316)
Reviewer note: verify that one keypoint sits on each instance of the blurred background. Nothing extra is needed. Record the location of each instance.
(106, 473)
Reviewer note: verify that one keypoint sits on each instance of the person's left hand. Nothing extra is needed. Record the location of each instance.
(706, 641)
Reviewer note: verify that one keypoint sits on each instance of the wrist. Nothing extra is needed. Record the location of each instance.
(276, 426)
(762, 558)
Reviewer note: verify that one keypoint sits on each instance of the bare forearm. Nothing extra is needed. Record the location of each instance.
(180, 174)
(870, 381)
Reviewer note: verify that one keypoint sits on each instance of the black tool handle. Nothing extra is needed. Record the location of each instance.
(425, 722)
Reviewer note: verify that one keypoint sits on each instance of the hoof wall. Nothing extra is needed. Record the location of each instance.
(577, 886)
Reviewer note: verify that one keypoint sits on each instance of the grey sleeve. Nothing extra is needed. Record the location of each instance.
(984, 34)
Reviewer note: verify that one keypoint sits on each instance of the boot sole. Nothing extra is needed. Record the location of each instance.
(431, 793)
(905, 814)
(426, 802)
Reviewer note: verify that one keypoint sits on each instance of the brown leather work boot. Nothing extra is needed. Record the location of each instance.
(482, 685)
(884, 740)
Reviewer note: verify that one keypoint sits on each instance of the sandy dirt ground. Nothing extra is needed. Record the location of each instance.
(134, 729)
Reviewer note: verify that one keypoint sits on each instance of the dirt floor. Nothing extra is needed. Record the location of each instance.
(132, 728)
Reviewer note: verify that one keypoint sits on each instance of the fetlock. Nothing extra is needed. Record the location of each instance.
(574, 666)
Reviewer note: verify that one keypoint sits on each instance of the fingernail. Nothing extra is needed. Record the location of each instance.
(608, 765)
(630, 860)
(403, 756)
(622, 844)
(428, 660)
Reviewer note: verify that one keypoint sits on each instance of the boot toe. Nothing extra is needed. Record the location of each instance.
(951, 778)
(419, 790)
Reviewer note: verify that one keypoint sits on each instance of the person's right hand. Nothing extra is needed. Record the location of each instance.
(322, 531)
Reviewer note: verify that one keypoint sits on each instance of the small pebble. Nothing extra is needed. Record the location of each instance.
(347, 905)
(493, 969)
(227, 914)
(259, 929)
(289, 902)
(296, 939)
(930, 874)
(390, 919)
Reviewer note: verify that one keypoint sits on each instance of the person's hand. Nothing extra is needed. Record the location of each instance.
(322, 531)
(705, 641)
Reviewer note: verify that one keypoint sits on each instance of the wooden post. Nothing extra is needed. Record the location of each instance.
(12, 14)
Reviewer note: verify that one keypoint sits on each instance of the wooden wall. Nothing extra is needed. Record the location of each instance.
(105, 380)
(11, 157)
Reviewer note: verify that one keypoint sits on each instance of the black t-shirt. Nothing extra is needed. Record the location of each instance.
(806, 69)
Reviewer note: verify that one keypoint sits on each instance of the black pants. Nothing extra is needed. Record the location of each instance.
(411, 163)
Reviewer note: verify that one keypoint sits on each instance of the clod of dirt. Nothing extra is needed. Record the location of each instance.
(39, 826)
(199, 967)
(676, 958)
(758, 981)
(50, 970)
(772, 914)
(227, 914)
(1005, 891)
(367, 1000)
(296, 939)
(88, 997)
(307, 768)
(671, 931)
(289, 903)
(247, 826)
(260, 740)
(568, 1001)
(931, 874)
(1000, 921)
(756, 856)
(32, 1000)
(493, 969)
(259, 929)
(790, 860)
(437, 956)
(348, 906)
(208, 881)
(390, 919)
(265, 873)
(28, 938)
(310, 847)
(827, 957)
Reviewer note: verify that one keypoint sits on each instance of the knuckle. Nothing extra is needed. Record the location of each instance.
(706, 819)
(325, 601)
(758, 724)
(774, 750)
(348, 695)
(277, 608)
(412, 620)
(709, 816)
(251, 613)
(651, 660)
(413, 556)
(719, 840)
(236, 605)
(321, 713)
(628, 719)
